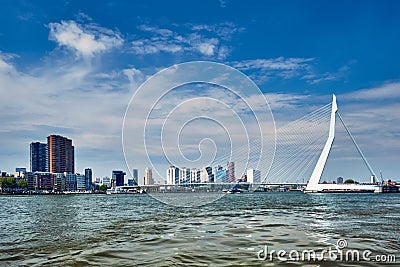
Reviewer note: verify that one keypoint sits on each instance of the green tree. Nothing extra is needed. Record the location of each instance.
(22, 183)
(349, 181)
(2, 183)
(8, 183)
(103, 187)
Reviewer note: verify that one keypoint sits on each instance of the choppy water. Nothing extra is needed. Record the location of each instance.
(132, 230)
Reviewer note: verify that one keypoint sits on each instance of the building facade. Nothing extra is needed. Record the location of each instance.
(59, 182)
(61, 155)
(173, 175)
(88, 178)
(38, 157)
(231, 172)
(221, 175)
(148, 176)
(118, 177)
(194, 175)
(70, 181)
(80, 182)
(135, 174)
(184, 175)
(253, 176)
(206, 175)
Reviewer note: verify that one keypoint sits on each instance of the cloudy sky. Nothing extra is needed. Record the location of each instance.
(71, 68)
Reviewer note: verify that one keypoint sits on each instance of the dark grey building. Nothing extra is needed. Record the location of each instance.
(88, 178)
(118, 177)
(39, 157)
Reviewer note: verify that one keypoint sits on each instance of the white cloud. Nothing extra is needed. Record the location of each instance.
(67, 99)
(279, 63)
(262, 70)
(5, 66)
(85, 40)
(203, 39)
(208, 48)
(135, 77)
(386, 91)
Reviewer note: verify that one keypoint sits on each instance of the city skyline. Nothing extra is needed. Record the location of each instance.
(82, 65)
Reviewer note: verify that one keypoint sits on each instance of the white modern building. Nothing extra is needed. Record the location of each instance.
(184, 175)
(173, 175)
(194, 175)
(253, 176)
(206, 175)
(148, 176)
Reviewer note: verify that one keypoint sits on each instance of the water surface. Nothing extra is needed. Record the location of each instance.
(132, 230)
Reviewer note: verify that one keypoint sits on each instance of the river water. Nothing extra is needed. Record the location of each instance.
(137, 230)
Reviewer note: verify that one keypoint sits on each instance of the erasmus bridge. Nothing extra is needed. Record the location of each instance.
(314, 184)
(300, 155)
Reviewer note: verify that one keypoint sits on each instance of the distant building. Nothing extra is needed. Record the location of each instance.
(20, 169)
(43, 181)
(253, 176)
(88, 178)
(135, 173)
(131, 182)
(184, 175)
(173, 175)
(80, 182)
(118, 177)
(38, 157)
(59, 182)
(61, 154)
(70, 181)
(206, 175)
(231, 172)
(340, 180)
(29, 177)
(19, 172)
(106, 181)
(221, 175)
(195, 175)
(148, 176)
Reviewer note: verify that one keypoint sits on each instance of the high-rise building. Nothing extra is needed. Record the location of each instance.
(173, 175)
(38, 157)
(206, 175)
(60, 154)
(148, 176)
(253, 176)
(184, 175)
(135, 173)
(118, 177)
(231, 171)
(221, 175)
(194, 175)
(88, 178)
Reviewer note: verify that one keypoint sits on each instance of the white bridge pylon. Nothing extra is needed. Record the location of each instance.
(313, 184)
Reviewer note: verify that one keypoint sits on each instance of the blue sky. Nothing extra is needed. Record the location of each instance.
(70, 67)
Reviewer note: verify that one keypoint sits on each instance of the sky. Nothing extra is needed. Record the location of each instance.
(72, 67)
